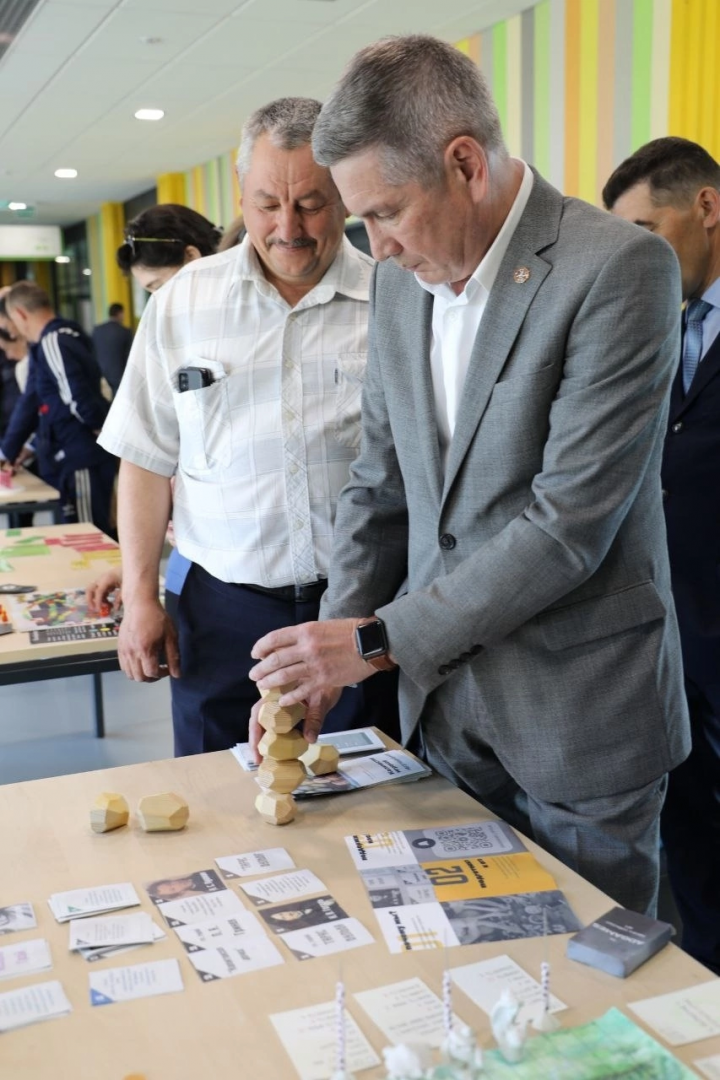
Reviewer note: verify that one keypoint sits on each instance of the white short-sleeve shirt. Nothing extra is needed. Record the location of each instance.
(261, 453)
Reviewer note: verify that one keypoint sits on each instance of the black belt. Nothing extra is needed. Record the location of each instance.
(294, 594)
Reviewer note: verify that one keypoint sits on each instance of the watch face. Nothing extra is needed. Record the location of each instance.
(372, 639)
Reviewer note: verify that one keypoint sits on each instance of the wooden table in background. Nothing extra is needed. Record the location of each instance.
(28, 495)
(221, 1029)
(64, 567)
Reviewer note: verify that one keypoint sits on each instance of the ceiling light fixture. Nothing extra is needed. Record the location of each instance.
(66, 174)
(87, 271)
(17, 206)
(62, 258)
(149, 114)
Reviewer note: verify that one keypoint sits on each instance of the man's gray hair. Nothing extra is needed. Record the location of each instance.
(409, 97)
(288, 121)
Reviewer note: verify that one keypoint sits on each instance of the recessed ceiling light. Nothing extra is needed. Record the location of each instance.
(87, 271)
(17, 206)
(66, 174)
(149, 114)
(151, 40)
(62, 258)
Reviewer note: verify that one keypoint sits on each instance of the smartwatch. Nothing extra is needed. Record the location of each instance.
(372, 644)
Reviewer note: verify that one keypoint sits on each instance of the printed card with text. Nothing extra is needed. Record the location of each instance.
(25, 958)
(211, 933)
(42, 1001)
(406, 1012)
(16, 917)
(193, 909)
(327, 939)
(77, 903)
(484, 982)
(197, 883)
(137, 981)
(273, 890)
(228, 960)
(111, 930)
(255, 862)
(304, 914)
(309, 1036)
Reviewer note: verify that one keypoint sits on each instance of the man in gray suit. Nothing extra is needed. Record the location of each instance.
(522, 349)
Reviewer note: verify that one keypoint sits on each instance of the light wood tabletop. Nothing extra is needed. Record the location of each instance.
(221, 1029)
(28, 492)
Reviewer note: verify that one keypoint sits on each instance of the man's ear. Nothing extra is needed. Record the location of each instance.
(466, 160)
(708, 202)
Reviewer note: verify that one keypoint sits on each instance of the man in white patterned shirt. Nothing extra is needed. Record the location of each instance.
(270, 339)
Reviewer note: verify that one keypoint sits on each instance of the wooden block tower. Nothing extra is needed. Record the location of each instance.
(281, 746)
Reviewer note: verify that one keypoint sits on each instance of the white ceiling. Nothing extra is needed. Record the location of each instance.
(73, 77)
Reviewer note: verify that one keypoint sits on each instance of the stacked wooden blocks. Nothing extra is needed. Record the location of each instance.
(281, 746)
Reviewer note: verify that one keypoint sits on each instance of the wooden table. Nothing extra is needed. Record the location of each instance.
(28, 495)
(63, 565)
(221, 1029)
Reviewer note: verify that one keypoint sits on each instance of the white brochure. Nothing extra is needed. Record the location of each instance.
(42, 1001)
(228, 959)
(405, 1012)
(112, 930)
(211, 933)
(684, 1016)
(25, 958)
(77, 903)
(484, 982)
(310, 1039)
(194, 909)
(136, 981)
(274, 890)
(255, 862)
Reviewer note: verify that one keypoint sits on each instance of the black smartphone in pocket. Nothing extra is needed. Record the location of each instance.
(194, 378)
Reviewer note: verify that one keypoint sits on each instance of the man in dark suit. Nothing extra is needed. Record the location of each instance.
(112, 341)
(522, 347)
(672, 187)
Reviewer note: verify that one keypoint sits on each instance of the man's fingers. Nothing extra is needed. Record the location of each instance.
(172, 652)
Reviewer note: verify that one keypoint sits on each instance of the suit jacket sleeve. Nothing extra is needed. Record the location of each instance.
(605, 425)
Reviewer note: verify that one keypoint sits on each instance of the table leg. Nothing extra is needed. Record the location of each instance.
(99, 707)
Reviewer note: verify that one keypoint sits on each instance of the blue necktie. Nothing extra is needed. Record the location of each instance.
(692, 346)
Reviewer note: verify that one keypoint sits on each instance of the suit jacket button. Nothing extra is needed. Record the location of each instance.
(465, 656)
(444, 669)
(447, 541)
(677, 427)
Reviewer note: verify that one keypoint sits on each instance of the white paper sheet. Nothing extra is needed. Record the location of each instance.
(25, 958)
(274, 890)
(211, 933)
(135, 981)
(229, 959)
(42, 1001)
(77, 903)
(310, 1039)
(709, 1066)
(684, 1016)
(135, 929)
(405, 1012)
(484, 982)
(255, 862)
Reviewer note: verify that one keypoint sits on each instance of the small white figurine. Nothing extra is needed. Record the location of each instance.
(406, 1062)
(509, 1034)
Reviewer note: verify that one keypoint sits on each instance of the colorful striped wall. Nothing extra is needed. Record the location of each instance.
(212, 189)
(580, 84)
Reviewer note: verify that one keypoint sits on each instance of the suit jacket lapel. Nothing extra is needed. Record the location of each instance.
(504, 314)
(707, 369)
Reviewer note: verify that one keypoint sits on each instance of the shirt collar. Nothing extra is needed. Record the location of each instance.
(487, 269)
(712, 294)
(348, 275)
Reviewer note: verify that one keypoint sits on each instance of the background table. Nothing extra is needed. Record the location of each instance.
(221, 1029)
(66, 566)
(35, 495)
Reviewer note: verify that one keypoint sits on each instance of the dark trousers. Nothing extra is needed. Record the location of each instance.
(86, 494)
(690, 823)
(217, 625)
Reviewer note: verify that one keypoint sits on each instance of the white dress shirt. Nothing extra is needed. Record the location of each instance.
(456, 321)
(262, 452)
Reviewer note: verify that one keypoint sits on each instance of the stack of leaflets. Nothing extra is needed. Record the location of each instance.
(458, 885)
(15, 917)
(79, 903)
(25, 958)
(387, 767)
(42, 1001)
(97, 938)
(619, 941)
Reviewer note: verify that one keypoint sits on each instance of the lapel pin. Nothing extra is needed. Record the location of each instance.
(521, 275)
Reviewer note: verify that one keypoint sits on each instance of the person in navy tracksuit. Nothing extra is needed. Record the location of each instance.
(63, 403)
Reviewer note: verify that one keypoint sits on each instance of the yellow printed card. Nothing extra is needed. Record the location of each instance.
(498, 875)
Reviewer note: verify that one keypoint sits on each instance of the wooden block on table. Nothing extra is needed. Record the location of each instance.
(280, 776)
(165, 812)
(282, 747)
(273, 718)
(320, 759)
(277, 692)
(109, 811)
(275, 808)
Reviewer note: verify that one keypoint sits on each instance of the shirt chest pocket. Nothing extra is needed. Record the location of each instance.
(204, 422)
(349, 376)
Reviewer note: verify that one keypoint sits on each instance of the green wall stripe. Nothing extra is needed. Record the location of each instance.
(641, 72)
(500, 89)
(541, 104)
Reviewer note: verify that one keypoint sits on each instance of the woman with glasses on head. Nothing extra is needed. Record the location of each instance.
(161, 240)
(158, 243)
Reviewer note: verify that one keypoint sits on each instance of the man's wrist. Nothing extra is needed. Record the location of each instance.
(372, 644)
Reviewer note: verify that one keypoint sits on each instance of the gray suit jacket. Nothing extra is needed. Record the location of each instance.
(538, 616)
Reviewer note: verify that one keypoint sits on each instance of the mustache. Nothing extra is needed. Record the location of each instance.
(300, 242)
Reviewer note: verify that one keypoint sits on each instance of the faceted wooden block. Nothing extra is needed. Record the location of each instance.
(165, 812)
(108, 812)
(320, 759)
(274, 808)
(277, 691)
(280, 776)
(273, 718)
(282, 747)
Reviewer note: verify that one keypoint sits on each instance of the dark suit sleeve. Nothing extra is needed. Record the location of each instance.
(23, 420)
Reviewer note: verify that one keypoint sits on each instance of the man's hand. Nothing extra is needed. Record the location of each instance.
(316, 709)
(147, 643)
(98, 592)
(316, 655)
